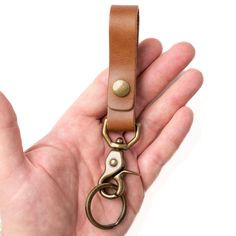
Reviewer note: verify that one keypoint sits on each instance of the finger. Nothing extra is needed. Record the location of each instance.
(93, 102)
(162, 72)
(156, 116)
(160, 151)
(11, 152)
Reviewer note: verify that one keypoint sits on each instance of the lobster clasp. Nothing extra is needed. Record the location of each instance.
(115, 170)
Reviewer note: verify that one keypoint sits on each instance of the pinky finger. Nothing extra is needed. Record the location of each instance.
(163, 147)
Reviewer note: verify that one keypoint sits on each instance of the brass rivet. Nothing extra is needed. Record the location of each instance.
(121, 88)
(113, 162)
(119, 140)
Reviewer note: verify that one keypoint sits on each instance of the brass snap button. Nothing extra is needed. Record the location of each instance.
(121, 88)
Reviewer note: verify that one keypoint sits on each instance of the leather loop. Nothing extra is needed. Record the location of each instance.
(123, 44)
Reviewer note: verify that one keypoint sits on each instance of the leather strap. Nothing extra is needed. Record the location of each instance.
(123, 44)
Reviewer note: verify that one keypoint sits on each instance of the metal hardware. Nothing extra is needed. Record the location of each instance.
(122, 146)
(113, 162)
(121, 88)
(114, 171)
(89, 204)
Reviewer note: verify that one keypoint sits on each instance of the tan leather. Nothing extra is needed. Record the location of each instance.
(123, 43)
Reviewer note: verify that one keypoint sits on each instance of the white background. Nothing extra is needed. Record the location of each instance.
(50, 51)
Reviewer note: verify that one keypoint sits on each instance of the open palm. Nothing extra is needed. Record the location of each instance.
(43, 190)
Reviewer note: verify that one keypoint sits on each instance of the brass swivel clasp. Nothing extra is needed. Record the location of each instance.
(115, 170)
(112, 177)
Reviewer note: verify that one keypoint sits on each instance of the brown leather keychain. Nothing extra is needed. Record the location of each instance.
(123, 43)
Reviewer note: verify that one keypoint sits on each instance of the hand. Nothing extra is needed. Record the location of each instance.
(43, 190)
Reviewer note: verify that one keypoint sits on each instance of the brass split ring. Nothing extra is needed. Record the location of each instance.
(89, 204)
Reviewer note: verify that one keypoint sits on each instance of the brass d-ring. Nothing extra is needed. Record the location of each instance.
(122, 146)
(89, 204)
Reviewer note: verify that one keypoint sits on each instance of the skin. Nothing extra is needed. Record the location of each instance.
(43, 190)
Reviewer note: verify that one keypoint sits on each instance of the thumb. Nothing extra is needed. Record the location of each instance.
(11, 151)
